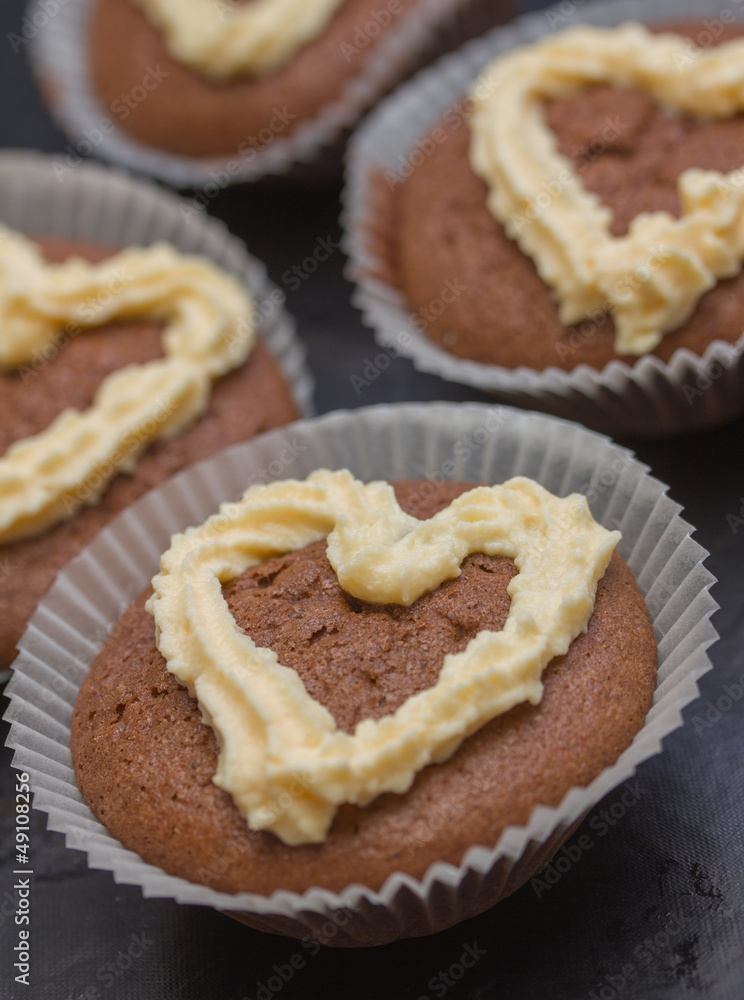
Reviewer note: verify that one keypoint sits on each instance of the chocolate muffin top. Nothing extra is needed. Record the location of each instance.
(246, 402)
(186, 113)
(626, 149)
(144, 759)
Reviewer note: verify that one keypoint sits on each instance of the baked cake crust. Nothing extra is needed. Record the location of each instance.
(144, 760)
(246, 402)
(187, 114)
(626, 150)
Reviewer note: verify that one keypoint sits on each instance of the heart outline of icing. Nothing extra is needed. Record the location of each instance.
(590, 270)
(208, 331)
(270, 729)
(256, 38)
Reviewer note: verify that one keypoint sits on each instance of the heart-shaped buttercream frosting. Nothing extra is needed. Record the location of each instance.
(209, 330)
(651, 279)
(224, 38)
(270, 730)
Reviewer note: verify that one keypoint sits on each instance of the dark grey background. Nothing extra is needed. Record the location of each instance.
(653, 910)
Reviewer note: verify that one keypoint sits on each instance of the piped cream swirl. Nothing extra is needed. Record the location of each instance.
(225, 39)
(651, 279)
(209, 330)
(270, 730)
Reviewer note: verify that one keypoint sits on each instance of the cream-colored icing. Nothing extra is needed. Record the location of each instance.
(224, 39)
(269, 728)
(208, 319)
(652, 278)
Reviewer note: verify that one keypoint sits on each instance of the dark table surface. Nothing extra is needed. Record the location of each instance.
(653, 910)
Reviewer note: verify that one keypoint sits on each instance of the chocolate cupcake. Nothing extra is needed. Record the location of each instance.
(361, 661)
(544, 250)
(209, 106)
(210, 94)
(94, 412)
(395, 863)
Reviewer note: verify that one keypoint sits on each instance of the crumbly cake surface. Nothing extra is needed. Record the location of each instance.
(246, 402)
(187, 114)
(437, 232)
(144, 759)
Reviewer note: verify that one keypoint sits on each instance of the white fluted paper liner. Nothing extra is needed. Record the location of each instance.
(651, 398)
(388, 442)
(103, 205)
(59, 56)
